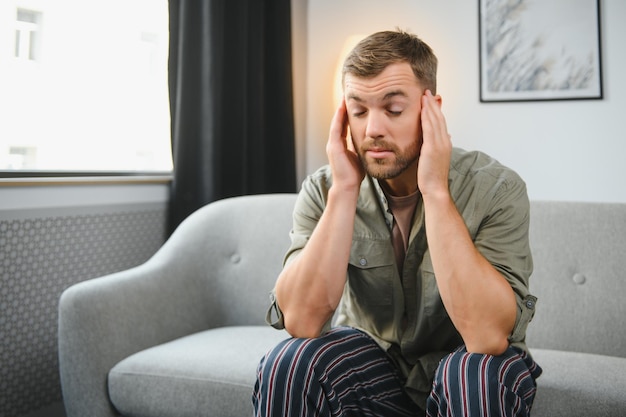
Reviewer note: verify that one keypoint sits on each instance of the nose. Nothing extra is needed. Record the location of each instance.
(375, 125)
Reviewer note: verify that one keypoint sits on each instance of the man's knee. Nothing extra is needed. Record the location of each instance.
(294, 375)
(294, 353)
(294, 360)
(471, 384)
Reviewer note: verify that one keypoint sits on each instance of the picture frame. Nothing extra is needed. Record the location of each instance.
(533, 50)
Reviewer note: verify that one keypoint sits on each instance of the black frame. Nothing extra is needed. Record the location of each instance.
(495, 68)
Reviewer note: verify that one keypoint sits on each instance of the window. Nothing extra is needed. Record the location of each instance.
(21, 157)
(84, 86)
(27, 34)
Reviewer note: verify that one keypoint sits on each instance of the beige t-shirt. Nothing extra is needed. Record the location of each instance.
(402, 209)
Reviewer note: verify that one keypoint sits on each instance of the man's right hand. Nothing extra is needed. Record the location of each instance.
(347, 170)
(310, 287)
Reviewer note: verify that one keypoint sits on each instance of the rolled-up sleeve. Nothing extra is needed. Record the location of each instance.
(274, 316)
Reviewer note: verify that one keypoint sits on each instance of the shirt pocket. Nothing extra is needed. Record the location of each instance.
(371, 273)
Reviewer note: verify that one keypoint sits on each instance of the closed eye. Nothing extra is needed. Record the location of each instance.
(394, 109)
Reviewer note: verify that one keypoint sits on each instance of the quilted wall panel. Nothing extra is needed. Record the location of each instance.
(39, 258)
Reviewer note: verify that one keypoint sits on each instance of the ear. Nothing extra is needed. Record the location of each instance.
(437, 97)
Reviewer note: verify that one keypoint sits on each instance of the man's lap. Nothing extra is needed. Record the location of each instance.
(345, 371)
(341, 372)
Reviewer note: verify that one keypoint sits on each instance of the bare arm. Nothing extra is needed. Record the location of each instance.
(478, 299)
(309, 288)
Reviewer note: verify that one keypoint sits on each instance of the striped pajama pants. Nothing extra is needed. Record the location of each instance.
(345, 373)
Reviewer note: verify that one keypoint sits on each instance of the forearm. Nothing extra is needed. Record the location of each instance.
(310, 287)
(478, 299)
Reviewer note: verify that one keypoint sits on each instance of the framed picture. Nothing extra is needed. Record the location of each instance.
(539, 50)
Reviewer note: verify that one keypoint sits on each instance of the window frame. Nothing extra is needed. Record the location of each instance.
(34, 178)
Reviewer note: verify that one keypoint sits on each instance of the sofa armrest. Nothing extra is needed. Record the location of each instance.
(104, 320)
(216, 269)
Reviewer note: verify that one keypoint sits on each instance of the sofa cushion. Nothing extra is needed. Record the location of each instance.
(210, 373)
(579, 384)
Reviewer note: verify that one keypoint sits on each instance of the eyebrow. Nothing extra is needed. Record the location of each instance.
(386, 97)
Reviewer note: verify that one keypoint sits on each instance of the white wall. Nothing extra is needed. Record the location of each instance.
(565, 150)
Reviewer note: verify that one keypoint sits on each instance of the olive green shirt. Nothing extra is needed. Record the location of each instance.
(405, 314)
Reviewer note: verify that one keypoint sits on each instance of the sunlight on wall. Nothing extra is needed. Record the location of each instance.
(348, 45)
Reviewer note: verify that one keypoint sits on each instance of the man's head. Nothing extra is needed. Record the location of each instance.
(384, 79)
(377, 51)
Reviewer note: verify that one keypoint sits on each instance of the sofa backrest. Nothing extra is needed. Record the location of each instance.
(235, 249)
(579, 252)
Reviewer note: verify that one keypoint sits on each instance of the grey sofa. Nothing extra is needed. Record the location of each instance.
(181, 335)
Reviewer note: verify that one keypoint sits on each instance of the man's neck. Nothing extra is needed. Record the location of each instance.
(402, 185)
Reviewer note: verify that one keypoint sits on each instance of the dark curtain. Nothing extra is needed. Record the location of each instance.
(231, 101)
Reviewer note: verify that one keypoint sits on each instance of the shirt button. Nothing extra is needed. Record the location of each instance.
(530, 304)
(362, 261)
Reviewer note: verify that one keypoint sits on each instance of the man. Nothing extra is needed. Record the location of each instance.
(417, 249)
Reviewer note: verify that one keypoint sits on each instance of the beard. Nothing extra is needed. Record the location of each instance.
(383, 169)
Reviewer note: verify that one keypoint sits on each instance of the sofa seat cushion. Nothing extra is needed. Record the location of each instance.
(579, 384)
(210, 373)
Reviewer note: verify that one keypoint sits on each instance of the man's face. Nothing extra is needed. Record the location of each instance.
(384, 117)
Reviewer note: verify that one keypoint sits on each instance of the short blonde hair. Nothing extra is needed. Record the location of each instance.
(377, 51)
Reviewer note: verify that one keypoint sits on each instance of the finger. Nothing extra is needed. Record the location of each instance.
(433, 118)
(350, 141)
(339, 123)
(426, 117)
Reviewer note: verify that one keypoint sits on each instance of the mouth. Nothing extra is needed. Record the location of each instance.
(378, 153)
